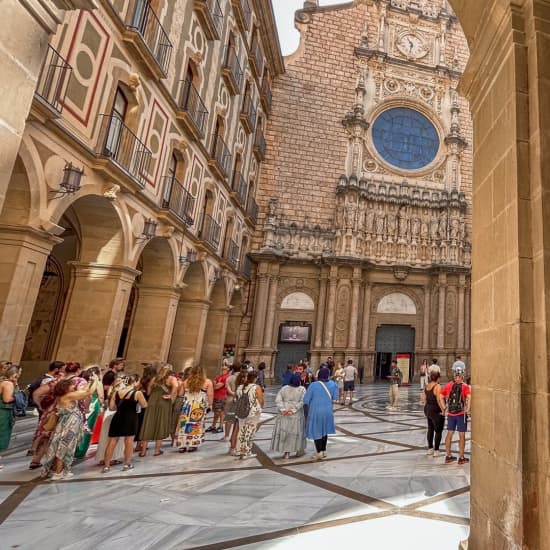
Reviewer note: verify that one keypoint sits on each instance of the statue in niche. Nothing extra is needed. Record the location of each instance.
(392, 224)
(415, 227)
(272, 211)
(462, 230)
(361, 216)
(455, 228)
(380, 221)
(370, 220)
(304, 242)
(350, 217)
(443, 225)
(340, 212)
(424, 227)
(434, 226)
(403, 224)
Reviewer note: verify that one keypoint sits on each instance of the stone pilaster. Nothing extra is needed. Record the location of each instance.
(319, 323)
(427, 315)
(271, 308)
(461, 321)
(95, 314)
(23, 255)
(331, 307)
(354, 310)
(442, 283)
(260, 301)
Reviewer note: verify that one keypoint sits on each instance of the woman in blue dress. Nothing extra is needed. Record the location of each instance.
(320, 416)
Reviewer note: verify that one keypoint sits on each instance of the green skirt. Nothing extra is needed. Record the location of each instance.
(82, 447)
(7, 421)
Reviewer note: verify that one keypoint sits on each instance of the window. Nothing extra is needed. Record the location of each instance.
(116, 123)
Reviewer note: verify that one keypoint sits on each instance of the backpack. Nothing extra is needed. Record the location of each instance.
(242, 405)
(20, 408)
(32, 387)
(456, 402)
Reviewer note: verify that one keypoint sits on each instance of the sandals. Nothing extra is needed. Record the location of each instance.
(182, 450)
(34, 465)
(142, 454)
(159, 453)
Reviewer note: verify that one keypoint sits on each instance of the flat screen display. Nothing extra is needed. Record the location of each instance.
(290, 333)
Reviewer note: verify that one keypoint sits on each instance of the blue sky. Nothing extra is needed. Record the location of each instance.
(284, 13)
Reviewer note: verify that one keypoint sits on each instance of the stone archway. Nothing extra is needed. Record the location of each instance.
(506, 83)
(190, 322)
(156, 304)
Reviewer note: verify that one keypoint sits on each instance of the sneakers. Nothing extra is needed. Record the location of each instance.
(449, 459)
(318, 456)
(219, 430)
(463, 460)
(437, 454)
(286, 456)
(248, 455)
(430, 452)
(224, 438)
(105, 470)
(56, 477)
(324, 453)
(234, 452)
(67, 475)
(210, 429)
(127, 467)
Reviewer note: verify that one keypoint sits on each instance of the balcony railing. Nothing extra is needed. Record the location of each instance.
(220, 156)
(144, 21)
(240, 187)
(243, 13)
(259, 145)
(53, 80)
(247, 267)
(233, 253)
(119, 144)
(256, 56)
(252, 211)
(192, 104)
(266, 96)
(210, 231)
(210, 15)
(248, 115)
(178, 200)
(232, 71)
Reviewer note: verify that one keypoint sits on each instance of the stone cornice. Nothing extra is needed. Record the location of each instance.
(49, 13)
(270, 37)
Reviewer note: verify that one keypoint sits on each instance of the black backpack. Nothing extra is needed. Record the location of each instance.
(32, 387)
(242, 405)
(456, 402)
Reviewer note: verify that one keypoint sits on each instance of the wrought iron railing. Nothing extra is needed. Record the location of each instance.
(247, 12)
(53, 80)
(178, 200)
(247, 267)
(192, 103)
(220, 153)
(233, 253)
(249, 113)
(118, 143)
(257, 54)
(259, 144)
(210, 231)
(241, 188)
(216, 13)
(252, 210)
(144, 21)
(231, 63)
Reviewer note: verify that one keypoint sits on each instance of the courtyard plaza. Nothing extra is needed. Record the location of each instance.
(377, 485)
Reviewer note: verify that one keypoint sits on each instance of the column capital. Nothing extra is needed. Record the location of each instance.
(104, 271)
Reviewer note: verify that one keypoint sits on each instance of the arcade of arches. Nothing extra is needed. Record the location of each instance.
(90, 274)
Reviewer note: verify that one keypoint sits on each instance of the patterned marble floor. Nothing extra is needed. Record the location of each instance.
(377, 485)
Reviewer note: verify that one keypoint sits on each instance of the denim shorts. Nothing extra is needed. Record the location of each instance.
(349, 385)
(457, 423)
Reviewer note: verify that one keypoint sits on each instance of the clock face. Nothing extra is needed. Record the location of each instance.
(412, 46)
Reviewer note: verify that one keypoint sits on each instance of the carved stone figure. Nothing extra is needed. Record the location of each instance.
(403, 224)
(443, 225)
(380, 221)
(350, 217)
(455, 228)
(434, 226)
(370, 220)
(392, 224)
(415, 227)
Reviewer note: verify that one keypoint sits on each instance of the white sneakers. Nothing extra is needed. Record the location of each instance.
(61, 475)
(437, 454)
(432, 452)
(248, 455)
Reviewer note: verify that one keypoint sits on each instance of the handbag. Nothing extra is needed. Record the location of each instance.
(51, 423)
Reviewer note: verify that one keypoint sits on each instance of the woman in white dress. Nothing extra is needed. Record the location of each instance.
(289, 433)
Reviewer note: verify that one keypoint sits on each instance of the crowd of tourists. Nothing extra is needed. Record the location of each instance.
(127, 414)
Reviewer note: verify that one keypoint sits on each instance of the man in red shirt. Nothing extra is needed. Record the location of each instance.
(455, 399)
(220, 395)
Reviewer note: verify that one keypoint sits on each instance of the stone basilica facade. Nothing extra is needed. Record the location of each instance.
(363, 249)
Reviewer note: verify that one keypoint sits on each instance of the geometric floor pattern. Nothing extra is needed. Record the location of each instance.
(377, 488)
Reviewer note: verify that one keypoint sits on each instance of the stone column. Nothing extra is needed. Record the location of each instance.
(354, 313)
(260, 306)
(23, 255)
(188, 333)
(153, 323)
(442, 282)
(23, 53)
(427, 315)
(331, 307)
(214, 340)
(366, 318)
(95, 314)
(467, 320)
(271, 306)
(320, 319)
(461, 327)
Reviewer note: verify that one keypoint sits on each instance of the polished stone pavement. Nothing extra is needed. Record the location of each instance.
(377, 485)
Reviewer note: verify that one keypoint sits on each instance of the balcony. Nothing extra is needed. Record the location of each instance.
(240, 189)
(210, 16)
(233, 254)
(247, 268)
(252, 211)
(248, 115)
(220, 157)
(192, 111)
(243, 14)
(178, 200)
(256, 56)
(232, 71)
(147, 37)
(265, 95)
(259, 145)
(52, 85)
(210, 232)
(120, 151)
